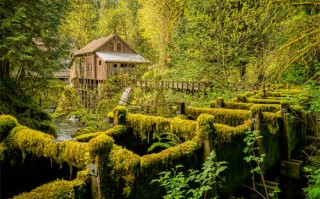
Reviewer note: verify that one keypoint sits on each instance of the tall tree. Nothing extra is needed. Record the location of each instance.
(30, 44)
(298, 43)
(81, 22)
(157, 18)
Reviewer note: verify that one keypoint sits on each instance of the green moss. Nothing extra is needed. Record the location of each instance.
(224, 116)
(265, 107)
(100, 145)
(124, 165)
(3, 149)
(238, 105)
(76, 154)
(153, 163)
(226, 133)
(57, 189)
(264, 101)
(7, 123)
(120, 113)
(118, 130)
(241, 98)
(36, 143)
(249, 94)
(271, 120)
(205, 125)
(148, 127)
(185, 129)
(87, 137)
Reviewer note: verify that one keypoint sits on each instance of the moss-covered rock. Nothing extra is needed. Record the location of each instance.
(7, 123)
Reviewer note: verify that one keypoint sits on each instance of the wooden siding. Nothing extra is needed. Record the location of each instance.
(115, 41)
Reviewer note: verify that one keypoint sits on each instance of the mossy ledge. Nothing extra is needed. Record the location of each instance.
(226, 133)
(39, 144)
(232, 117)
(57, 189)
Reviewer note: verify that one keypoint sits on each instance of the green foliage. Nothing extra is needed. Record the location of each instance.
(31, 44)
(313, 189)
(69, 103)
(255, 159)
(15, 102)
(177, 185)
(75, 189)
(166, 140)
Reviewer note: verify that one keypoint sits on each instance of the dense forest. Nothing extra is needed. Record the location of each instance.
(233, 46)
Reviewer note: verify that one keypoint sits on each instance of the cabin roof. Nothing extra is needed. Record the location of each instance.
(94, 45)
(121, 57)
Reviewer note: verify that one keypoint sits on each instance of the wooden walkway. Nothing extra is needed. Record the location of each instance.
(175, 85)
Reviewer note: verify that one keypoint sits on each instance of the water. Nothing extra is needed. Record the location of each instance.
(124, 96)
(65, 127)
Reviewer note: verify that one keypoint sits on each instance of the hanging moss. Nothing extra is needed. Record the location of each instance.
(34, 142)
(120, 113)
(153, 163)
(226, 133)
(148, 127)
(224, 116)
(75, 189)
(123, 166)
(100, 145)
(272, 121)
(76, 154)
(185, 129)
(7, 123)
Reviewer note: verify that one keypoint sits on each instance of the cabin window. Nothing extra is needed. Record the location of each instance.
(119, 47)
(123, 65)
(131, 65)
(115, 65)
(111, 47)
(99, 63)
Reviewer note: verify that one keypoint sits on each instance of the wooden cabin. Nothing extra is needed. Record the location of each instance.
(102, 58)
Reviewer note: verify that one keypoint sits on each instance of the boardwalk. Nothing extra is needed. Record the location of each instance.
(177, 85)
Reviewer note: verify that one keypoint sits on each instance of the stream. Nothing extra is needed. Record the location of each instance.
(65, 127)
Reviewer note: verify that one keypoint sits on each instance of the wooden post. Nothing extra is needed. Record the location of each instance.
(284, 142)
(219, 102)
(181, 108)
